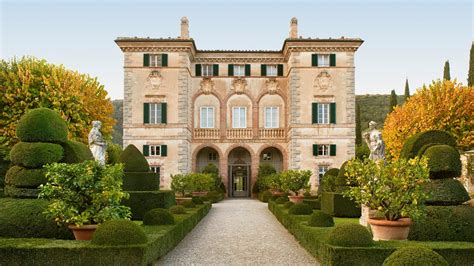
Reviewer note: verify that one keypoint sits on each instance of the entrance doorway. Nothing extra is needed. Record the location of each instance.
(239, 173)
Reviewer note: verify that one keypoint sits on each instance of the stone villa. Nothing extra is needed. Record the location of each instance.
(293, 108)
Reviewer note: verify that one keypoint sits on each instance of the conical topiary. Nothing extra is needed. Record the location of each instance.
(42, 125)
(133, 160)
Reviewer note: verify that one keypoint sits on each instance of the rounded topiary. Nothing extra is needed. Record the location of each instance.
(331, 172)
(158, 216)
(446, 191)
(76, 152)
(188, 204)
(341, 179)
(415, 256)
(197, 200)
(320, 219)
(215, 196)
(35, 154)
(416, 142)
(119, 232)
(42, 125)
(301, 209)
(133, 160)
(21, 177)
(288, 204)
(443, 161)
(281, 200)
(350, 235)
(265, 196)
(177, 209)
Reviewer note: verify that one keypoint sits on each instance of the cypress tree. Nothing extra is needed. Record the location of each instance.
(393, 100)
(407, 90)
(358, 126)
(470, 75)
(446, 74)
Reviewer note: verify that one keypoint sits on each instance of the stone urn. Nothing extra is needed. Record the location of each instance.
(296, 199)
(83, 232)
(383, 229)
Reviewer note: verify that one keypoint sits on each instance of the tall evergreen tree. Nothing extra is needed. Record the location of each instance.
(358, 126)
(407, 90)
(446, 74)
(393, 100)
(470, 75)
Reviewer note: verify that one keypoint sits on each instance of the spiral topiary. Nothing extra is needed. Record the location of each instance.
(444, 161)
(320, 219)
(415, 256)
(42, 125)
(119, 232)
(301, 209)
(177, 209)
(350, 235)
(158, 216)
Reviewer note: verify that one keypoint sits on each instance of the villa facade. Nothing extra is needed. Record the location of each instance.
(293, 108)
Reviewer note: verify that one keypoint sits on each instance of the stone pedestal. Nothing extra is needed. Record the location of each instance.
(366, 213)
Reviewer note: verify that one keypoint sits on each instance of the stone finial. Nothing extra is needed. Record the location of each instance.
(184, 28)
(294, 28)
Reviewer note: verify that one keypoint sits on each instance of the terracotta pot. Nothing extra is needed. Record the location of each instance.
(199, 193)
(277, 193)
(84, 232)
(390, 230)
(296, 199)
(182, 199)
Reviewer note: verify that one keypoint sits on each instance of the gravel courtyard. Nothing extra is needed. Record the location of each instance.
(238, 232)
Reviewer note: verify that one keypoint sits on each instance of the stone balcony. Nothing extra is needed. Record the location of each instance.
(206, 133)
(239, 133)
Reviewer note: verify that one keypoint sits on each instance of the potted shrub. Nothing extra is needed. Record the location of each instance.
(181, 185)
(84, 195)
(393, 189)
(201, 183)
(294, 182)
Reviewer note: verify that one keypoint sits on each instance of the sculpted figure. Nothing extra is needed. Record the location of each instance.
(374, 140)
(97, 144)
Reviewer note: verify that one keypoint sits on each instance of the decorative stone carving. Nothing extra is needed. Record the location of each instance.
(374, 140)
(323, 81)
(207, 85)
(97, 144)
(272, 85)
(155, 79)
(239, 85)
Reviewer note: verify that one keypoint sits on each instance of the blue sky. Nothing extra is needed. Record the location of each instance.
(402, 38)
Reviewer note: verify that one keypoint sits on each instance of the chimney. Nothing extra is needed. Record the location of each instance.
(294, 28)
(184, 28)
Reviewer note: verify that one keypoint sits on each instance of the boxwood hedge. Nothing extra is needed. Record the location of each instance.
(140, 181)
(448, 191)
(443, 161)
(42, 125)
(415, 143)
(35, 154)
(142, 201)
(133, 160)
(20, 192)
(415, 256)
(119, 232)
(22, 177)
(336, 205)
(76, 152)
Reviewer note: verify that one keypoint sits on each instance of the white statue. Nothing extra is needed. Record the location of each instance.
(374, 140)
(97, 144)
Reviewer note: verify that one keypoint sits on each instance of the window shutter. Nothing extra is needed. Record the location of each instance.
(164, 150)
(164, 60)
(332, 60)
(146, 113)
(314, 59)
(332, 113)
(230, 70)
(314, 113)
(332, 150)
(263, 70)
(247, 70)
(163, 113)
(198, 70)
(280, 70)
(315, 149)
(215, 69)
(146, 59)
(146, 150)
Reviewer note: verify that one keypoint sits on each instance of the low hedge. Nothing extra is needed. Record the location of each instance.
(446, 191)
(177, 209)
(76, 152)
(119, 232)
(336, 205)
(315, 203)
(158, 216)
(300, 209)
(189, 204)
(197, 200)
(18, 176)
(142, 201)
(320, 219)
(215, 196)
(350, 235)
(416, 142)
(264, 196)
(414, 256)
(42, 125)
(21, 192)
(35, 154)
(140, 181)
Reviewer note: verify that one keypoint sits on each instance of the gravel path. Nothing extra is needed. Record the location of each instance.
(239, 232)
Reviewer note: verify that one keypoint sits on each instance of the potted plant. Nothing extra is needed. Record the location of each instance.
(294, 182)
(84, 195)
(181, 183)
(393, 189)
(201, 183)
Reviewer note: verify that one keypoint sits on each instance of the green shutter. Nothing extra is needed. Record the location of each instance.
(198, 70)
(332, 113)
(164, 113)
(315, 149)
(215, 70)
(280, 70)
(164, 150)
(332, 150)
(230, 72)
(247, 70)
(164, 60)
(263, 70)
(332, 60)
(146, 59)
(146, 150)
(314, 113)
(314, 59)
(146, 113)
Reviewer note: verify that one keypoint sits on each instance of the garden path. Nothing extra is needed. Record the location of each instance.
(237, 232)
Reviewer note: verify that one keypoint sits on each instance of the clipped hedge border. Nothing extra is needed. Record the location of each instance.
(142, 201)
(315, 203)
(140, 181)
(335, 204)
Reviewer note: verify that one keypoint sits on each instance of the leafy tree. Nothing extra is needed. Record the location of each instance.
(358, 126)
(29, 83)
(407, 90)
(446, 73)
(393, 100)
(470, 77)
(444, 105)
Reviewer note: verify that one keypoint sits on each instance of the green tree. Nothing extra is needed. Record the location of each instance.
(470, 77)
(393, 100)
(446, 73)
(407, 90)
(358, 126)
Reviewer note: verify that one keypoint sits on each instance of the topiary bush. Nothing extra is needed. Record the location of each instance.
(444, 161)
(197, 201)
(158, 216)
(288, 204)
(320, 219)
(335, 204)
(25, 178)
(265, 196)
(188, 204)
(350, 235)
(215, 196)
(415, 256)
(75, 152)
(416, 142)
(281, 200)
(328, 182)
(113, 153)
(446, 191)
(300, 209)
(177, 209)
(35, 155)
(141, 181)
(42, 125)
(119, 232)
(133, 160)
(341, 179)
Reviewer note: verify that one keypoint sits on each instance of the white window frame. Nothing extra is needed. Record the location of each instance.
(323, 113)
(272, 70)
(274, 120)
(212, 156)
(155, 168)
(324, 149)
(154, 150)
(322, 169)
(323, 60)
(208, 122)
(155, 60)
(207, 70)
(239, 70)
(241, 122)
(155, 113)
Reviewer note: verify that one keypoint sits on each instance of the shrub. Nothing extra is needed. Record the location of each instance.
(264, 176)
(213, 170)
(446, 191)
(314, 203)
(281, 200)
(215, 196)
(288, 204)
(300, 209)
(335, 204)
(265, 196)
(204, 198)
(201, 182)
(42, 125)
(197, 200)
(141, 181)
(320, 219)
(21, 177)
(158, 216)
(416, 142)
(341, 179)
(294, 180)
(415, 256)
(328, 182)
(181, 183)
(362, 151)
(142, 201)
(188, 204)
(350, 235)
(133, 160)
(75, 152)
(113, 153)
(35, 154)
(21, 192)
(119, 232)
(444, 161)
(223, 188)
(177, 209)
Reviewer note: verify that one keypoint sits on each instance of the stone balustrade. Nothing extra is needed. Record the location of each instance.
(271, 133)
(206, 133)
(240, 133)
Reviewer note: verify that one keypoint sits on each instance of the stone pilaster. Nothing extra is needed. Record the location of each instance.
(127, 96)
(294, 114)
(184, 115)
(350, 103)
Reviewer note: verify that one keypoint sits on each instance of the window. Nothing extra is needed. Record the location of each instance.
(239, 70)
(155, 113)
(155, 60)
(271, 117)
(239, 117)
(207, 70)
(155, 150)
(267, 156)
(155, 169)
(323, 60)
(272, 70)
(323, 150)
(212, 156)
(323, 113)
(322, 169)
(207, 117)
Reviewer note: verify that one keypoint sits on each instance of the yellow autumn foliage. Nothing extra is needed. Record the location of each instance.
(444, 105)
(29, 83)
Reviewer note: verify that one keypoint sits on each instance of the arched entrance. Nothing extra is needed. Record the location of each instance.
(206, 156)
(272, 156)
(239, 162)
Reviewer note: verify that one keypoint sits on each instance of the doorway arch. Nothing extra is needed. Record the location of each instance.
(239, 172)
